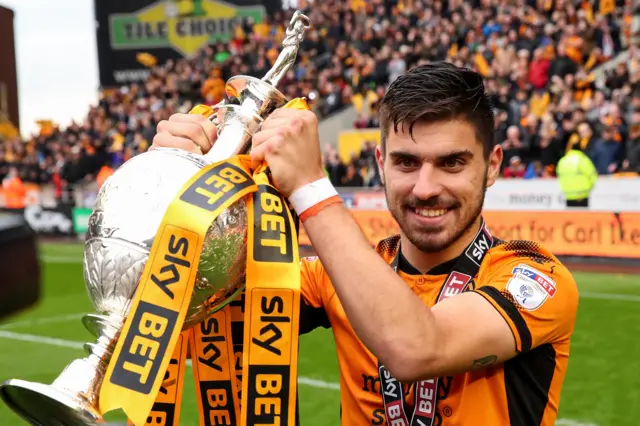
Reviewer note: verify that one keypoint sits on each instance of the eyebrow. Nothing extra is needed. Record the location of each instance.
(461, 153)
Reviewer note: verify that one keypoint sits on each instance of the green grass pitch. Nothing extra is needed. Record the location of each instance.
(602, 386)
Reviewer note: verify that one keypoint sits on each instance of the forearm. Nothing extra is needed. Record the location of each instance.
(385, 314)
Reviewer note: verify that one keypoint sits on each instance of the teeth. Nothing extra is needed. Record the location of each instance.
(431, 212)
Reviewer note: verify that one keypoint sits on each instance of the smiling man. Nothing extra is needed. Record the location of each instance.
(443, 324)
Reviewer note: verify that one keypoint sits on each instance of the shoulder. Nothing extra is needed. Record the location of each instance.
(533, 291)
(529, 273)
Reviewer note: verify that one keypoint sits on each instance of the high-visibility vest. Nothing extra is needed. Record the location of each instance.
(576, 175)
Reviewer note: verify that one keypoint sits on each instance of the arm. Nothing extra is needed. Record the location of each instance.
(195, 133)
(413, 341)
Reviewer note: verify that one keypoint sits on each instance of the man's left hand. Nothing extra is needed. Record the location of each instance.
(290, 145)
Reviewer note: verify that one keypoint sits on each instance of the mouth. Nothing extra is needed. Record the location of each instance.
(430, 215)
(430, 212)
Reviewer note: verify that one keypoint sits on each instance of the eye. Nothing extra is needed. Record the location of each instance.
(453, 163)
(406, 163)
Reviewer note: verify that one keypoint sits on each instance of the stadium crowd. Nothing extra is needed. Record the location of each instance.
(537, 58)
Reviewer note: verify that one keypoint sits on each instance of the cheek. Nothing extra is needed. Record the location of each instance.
(466, 186)
(399, 185)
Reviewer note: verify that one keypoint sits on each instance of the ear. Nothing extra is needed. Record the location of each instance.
(495, 161)
(380, 162)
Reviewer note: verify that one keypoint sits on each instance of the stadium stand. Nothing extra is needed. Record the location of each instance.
(538, 58)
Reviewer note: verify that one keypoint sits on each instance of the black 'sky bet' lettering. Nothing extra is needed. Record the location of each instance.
(216, 186)
(272, 237)
(371, 384)
(169, 273)
(161, 414)
(269, 388)
(270, 333)
(168, 381)
(217, 397)
(269, 384)
(144, 347)
(215, 343)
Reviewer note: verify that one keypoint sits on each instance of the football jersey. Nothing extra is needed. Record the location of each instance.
(526, 284)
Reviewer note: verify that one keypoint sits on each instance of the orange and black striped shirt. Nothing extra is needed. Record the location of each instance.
(522, 391)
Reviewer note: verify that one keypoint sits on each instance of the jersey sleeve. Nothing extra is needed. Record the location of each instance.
(535, 294)
(313, 295)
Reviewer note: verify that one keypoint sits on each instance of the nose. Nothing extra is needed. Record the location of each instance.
(428, 184)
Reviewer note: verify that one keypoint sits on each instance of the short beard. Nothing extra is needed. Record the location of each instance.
(431, 246)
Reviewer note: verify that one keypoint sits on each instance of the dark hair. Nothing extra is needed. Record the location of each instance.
(438, 92)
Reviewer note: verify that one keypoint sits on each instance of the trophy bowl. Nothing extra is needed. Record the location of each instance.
(125, 219)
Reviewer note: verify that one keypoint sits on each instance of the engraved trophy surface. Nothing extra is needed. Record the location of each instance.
(125, 219)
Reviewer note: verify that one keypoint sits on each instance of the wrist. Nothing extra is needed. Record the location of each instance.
(313, 197)
(308, 180)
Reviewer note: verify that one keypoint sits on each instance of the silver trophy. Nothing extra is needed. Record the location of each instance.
(125, 219)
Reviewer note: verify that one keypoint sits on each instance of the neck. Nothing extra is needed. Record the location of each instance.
(424, 262)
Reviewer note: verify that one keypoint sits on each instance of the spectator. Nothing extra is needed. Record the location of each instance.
(515, 169)
(606, 152)
(13, 189)
(512, 146)
(334, 166)
(352, 176)
(582, 140)
(535, 170)
(576, 176)
(537, 57)
(632, 162)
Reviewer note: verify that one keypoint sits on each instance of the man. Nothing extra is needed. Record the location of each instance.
(576, 176)
(494, 348)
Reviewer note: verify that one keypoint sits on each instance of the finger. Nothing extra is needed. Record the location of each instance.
(191, 131)
(272, 122)
(167, 140)
(293, 120)
(283, 112)
(162, 126)
(258, 156)
(208, 128)
(264, 135)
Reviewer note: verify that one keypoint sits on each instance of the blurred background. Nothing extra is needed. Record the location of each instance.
(83, 84)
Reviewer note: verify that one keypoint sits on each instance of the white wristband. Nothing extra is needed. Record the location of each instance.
(311, 194)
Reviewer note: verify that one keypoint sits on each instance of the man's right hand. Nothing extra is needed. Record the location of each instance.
(190, 132)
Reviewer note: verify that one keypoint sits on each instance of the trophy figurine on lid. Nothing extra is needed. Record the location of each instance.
(128, 220)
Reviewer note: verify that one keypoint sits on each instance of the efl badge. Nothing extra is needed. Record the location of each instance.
(529, 287)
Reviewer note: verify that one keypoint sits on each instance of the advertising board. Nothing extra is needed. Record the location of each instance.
(166, 29)
(50, 222)
(584, 233)
(609, 194)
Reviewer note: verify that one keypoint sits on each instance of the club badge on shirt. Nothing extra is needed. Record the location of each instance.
(530, 287)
